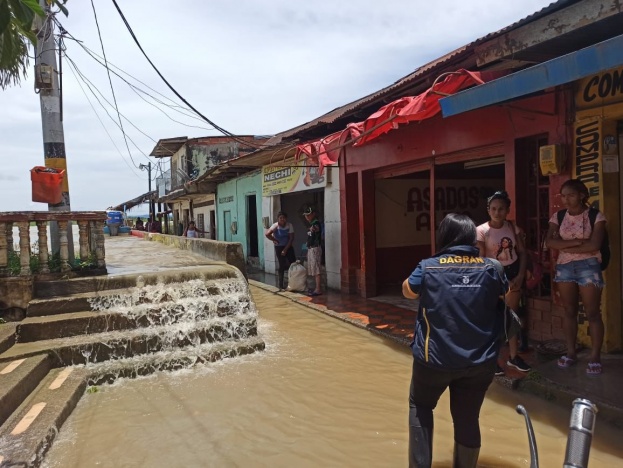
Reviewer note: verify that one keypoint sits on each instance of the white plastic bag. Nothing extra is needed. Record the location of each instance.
(297, 277)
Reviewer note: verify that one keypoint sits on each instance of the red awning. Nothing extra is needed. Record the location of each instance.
(326, 151)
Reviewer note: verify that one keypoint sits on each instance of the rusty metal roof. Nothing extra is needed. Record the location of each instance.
(144, 198)
(167, 147)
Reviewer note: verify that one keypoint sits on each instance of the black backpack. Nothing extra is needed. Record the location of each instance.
(605, 243)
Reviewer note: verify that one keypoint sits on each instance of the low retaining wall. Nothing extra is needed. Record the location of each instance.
(228, 252)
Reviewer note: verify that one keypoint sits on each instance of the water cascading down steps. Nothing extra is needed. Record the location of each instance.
(91, 331)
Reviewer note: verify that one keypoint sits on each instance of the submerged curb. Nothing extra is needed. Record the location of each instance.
(534, 383)
(304, 301)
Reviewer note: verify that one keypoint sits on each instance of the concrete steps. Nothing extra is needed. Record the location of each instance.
(27, 434)
(8, 335)
(92, 331)
(66, 304)
(58, 288)
(120, 344)
(17, 379)
(109, 371)
(62, 325)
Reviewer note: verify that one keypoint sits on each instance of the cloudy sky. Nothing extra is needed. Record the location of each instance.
(252, 66)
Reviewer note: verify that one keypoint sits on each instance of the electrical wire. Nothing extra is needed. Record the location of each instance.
(112, 89)
(102, 123)
(174, 107)
(90, 86)
(217, 127)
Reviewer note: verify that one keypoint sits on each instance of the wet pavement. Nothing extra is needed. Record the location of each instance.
(128, 254)
(392, 317)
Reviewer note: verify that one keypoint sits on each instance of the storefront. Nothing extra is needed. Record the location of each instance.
(239, 215)
(396, 190)
(292, 188)
(598, 139)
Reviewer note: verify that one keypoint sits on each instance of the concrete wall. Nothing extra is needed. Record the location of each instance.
(15, 292)
(228, 252)
(333, 228)
(231, 197)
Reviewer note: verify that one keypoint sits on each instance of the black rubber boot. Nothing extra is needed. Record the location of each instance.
(465, 457)
(420, 447)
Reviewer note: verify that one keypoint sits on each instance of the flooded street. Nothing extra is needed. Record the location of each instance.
(324, 393)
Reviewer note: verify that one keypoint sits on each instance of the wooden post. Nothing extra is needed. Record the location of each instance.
(100, 251)
(42, 228)
(24, 247)
(84, 240)
(64, 249)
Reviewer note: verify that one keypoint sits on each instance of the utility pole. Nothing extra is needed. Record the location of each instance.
(147, 167)
(47, 85)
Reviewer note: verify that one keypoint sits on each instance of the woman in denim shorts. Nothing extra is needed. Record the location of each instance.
(578, 270)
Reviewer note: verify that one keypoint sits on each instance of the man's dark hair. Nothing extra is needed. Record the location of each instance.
(499, 195)
(282, 213)
(456, 229)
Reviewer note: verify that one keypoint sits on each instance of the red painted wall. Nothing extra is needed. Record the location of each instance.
(432, 139)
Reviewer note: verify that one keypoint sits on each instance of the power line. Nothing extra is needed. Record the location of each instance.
(114, 97)
(217, 127)
(101, 122)
(137, 90)
(90, 86)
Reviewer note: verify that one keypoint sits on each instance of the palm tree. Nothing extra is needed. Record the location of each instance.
(16, 36)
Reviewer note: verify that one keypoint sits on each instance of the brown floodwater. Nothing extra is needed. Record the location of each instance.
(324, 393)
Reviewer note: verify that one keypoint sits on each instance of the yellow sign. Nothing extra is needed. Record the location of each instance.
(601, 89)
(587, 166)
(294, 178)
(587, 158)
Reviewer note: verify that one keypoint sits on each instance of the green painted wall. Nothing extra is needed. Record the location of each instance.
(232, 197)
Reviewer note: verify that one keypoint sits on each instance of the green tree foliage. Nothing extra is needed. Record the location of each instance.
(16, 36)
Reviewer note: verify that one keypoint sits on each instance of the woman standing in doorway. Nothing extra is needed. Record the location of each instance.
(282, 235)
(578, 269)
(503, 240)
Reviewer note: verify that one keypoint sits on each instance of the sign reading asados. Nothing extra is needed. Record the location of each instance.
(294, 178)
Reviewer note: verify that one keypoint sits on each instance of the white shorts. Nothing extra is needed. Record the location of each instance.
(314, 260)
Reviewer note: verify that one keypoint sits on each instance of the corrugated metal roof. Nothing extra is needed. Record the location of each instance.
(167, 147)
(144, 198)
(418, 74)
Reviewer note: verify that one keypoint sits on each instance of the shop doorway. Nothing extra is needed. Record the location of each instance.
(252, 228)
(213, 224)
(406, 222)
(293, 204)
(402, 219)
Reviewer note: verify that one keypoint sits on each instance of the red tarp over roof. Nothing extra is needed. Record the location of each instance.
(326, 151)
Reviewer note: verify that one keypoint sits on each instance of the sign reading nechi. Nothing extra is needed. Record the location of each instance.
(287, 179)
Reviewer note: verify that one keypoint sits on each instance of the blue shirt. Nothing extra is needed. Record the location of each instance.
(281, 234)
